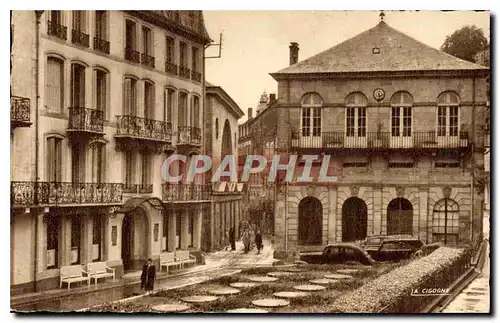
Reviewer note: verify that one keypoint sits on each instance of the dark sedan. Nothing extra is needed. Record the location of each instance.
(338, 253)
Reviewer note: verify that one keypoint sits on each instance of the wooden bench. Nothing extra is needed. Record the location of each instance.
(72, 274)
(168, 260)
(184, 257)
(100, 269)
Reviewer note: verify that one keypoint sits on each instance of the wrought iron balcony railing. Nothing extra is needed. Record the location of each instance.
(132, 55)
(184, 72)
(19, 111)
(189, 136)
(375, 140)
(77, 37)
(101, 45)
(142, 128)
(138, 188)
(196, 76)
(171, 68)
(57, 30)
(86, 120)
(60, 193)
(147, 60)
(186, 192)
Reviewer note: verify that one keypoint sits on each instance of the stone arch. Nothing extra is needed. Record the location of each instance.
(310, 221)
(409, 193)
(363, 192)
(354, 219)
(400, 216)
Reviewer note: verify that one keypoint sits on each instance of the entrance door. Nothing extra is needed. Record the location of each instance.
(354, 219)
(127, 242)
(310, 221)
(399, 217)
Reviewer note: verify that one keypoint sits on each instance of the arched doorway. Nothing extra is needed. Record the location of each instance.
(354, 219)
(310, 221)
(135, 239)
(400, 216)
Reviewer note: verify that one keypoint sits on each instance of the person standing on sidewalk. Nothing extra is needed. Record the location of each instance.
(258, 241)
(232, 239)
(148, 276)
(246, 240)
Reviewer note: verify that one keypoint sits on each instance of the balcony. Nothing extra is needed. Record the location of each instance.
(171, 68)
(196, 76)
(57, 30)
(101, 45)
(138, 188)
(79, 38)
(86, 121)
(132, 55)
(190, 136)
(135, 132)
(379, 140)
(184, 72)
(147, 60)
(185, 193)
(65, 193)
(19, 112)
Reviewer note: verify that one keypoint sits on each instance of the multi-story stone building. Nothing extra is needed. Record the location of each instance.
(99, 99)
(402, 122)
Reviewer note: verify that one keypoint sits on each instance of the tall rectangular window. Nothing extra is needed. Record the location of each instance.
(77, 86)
(453, 120)
(130, 36)
(77, 164)
(362, 122)
(306, 122)
(350, 113)
(356, 121)
(401, 121)
(146, 169)
(130, 94)
(55, 85)
(54, 159)
(395, 122)
(56, 17)
(98, 163)
(195, 59)
(178, 230)
(169, 105)
(101, 91)
(406, 121)
(101, 25)
(182, 111)
(75, 240)
(165, 231)
(148, 100)
(170, 52)
(97, 237)
(129, 168)
(195, 113)
(182, 54)
(441, 121)
(147, 41)
(79, 20)
(52, 232)
(316, 129)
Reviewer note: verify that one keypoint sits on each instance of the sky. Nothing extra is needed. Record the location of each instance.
(255, 43)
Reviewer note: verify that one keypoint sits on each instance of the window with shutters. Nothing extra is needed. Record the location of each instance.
(79, 20)
(101, 95)
(130, 35)
(169, 105)
(101, 24)
(147, 41)
(97, 237)
(195, 112)
(356, 115)
(448, 114)
(98, 152)
(54, 159)
(130, 93)
(54, 88)
(182, 111)
(148, 100)
(77, 85)
(53, 227)
(146, 169)
(129, 168)
(76, 227)
(77, 163)
(183, 54)
(170, 49)
(56, 17)
(195, 53)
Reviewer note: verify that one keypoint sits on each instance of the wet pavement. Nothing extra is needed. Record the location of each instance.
(475, 298)
(217, 264)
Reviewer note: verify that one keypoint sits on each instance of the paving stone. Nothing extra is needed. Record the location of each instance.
(338, 276)
(323, 281)
(262, 279)
(279, 273)
(309, 288)
(224, 291)
(199, 298)
(271, 302)
(243, 284)
(347, 271)
(170, 307)
(290, 294)
(247, 310)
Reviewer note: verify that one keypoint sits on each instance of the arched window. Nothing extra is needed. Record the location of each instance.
(311, 104)
(356, 114)
(448, 103)
(445, 221)
(401, 103)
(310, 221)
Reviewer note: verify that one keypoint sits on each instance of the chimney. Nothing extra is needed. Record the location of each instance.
(294, 53)
(272, 98)
(250, 113)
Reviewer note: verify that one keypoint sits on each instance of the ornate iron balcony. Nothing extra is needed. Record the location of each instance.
(138, 188)
(171, 68)
(142, 128)
(196, 76)
(86, 120)
(189, 136)
(186, 192)
(77, 37)
(61, 193)
(378, 140)
(19, 112)
(147, 60)
(57, 30)
(132, 55)
(184, 72)
(101, 45)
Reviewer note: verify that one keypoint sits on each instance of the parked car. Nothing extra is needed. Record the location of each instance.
(338, 253)
(392, 247)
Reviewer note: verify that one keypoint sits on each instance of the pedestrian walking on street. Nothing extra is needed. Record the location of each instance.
(246, 240)
(258, 241)
(232, 239)
(252, 236)
(148, 276)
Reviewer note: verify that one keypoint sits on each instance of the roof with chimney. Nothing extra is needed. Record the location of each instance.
(380, 49)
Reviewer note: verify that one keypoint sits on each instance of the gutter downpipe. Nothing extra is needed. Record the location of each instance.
(287, 152)
(473, 158)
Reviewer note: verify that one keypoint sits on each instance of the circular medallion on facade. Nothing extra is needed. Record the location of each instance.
(378, 94)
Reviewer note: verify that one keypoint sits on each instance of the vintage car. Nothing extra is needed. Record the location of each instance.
(392, 247)
(338, 253)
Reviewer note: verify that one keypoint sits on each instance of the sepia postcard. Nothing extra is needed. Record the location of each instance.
(250, 161)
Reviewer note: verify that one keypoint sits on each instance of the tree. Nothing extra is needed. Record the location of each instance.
(465, 43)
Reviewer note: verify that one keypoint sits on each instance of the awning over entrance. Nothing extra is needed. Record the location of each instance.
(134, 202)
